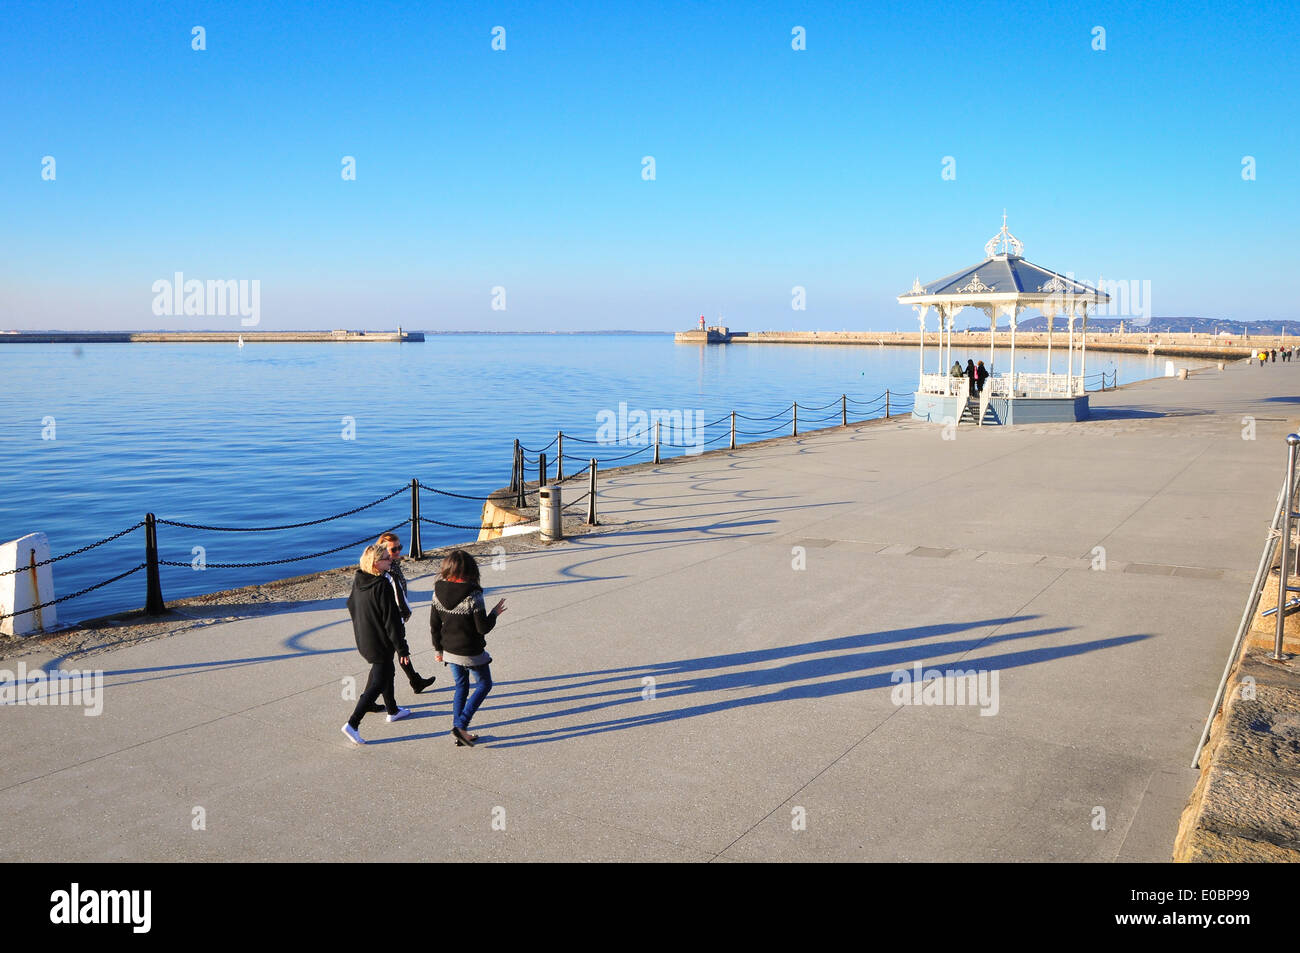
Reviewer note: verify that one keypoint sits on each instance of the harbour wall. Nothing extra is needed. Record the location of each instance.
(1176, 345)
(202, 337)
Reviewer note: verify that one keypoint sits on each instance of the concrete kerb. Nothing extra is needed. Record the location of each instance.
(499, 498)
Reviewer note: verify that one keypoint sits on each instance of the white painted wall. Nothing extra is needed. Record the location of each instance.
(16, 591)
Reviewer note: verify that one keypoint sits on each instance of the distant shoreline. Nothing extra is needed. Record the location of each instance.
(205, 337)
(200, 336)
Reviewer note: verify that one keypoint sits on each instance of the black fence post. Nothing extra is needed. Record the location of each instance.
(733, 430)
(523, 477)
(559, 457)
(886, 401)
(541, 471)
(414, 550)
(656, 441)
(591, 496)
(514, 469)
(844, 410)
(153, 600)
(795, 431)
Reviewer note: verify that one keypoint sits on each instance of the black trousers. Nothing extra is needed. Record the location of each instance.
(379, 683)
(409, 670)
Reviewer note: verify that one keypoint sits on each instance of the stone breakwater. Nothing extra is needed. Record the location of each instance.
(202, 337)
(1174, 345)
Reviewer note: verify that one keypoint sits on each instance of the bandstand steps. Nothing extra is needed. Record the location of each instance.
(971, 414)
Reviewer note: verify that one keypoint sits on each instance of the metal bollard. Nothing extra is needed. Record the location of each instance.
(591, 496)
(844, 410)
(520, 500)
(541, 470)
(514, 469)
(550, 512)
(559, 457)
(414, 550)
(795, 431)
(656, 441)
(153, 600)
(733, 430)
(886, 401)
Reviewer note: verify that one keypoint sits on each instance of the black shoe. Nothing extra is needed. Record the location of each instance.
(463, 737)
(420, 684)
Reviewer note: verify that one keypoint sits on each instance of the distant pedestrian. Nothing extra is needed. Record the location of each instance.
(1273, 353)
(955, 370)
(981, 375)
(458, 623)
(1263, 356)
(379, 632)
(970, 375)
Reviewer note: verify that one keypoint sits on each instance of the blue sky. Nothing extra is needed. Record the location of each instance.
(522, 168)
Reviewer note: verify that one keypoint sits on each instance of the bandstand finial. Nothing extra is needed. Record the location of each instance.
(1010, 244)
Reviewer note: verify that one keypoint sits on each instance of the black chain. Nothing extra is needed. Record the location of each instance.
(623, 457)
(480, 526)
(853, 400)
(75, 552)
(540, 449)
(459, 496)
(761, 419)
(98, 585)
(268, 529)
(759, 433)
(291, 559)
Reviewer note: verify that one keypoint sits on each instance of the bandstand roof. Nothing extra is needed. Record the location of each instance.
(1005, 277)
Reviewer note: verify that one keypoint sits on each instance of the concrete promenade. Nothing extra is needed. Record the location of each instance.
(771, 734)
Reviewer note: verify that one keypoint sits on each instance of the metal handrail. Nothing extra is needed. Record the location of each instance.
(1285, 495)
(1292, 441)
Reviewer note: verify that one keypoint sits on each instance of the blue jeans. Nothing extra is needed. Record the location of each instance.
(461, 711)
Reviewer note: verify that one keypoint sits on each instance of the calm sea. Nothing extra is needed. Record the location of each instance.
(284, 433)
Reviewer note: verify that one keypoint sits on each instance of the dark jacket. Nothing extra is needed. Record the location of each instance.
(402, 603)
(376, 619)
(459, 619)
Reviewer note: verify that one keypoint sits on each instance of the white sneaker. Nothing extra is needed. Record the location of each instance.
(353, 735)
(399, 714)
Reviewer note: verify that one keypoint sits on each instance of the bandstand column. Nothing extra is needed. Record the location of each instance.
(1083, 343)
(1069, 362)
(1051, 313)
(921, 311)
(1014, 309)
(993, 324)
(947, 361)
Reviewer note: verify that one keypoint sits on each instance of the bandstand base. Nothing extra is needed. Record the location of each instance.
(939, 408)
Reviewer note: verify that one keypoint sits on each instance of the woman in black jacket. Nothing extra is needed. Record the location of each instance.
(379, 631)
(458, 623)
(394, 546)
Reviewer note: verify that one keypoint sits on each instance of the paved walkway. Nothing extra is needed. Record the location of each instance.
(772, 706)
